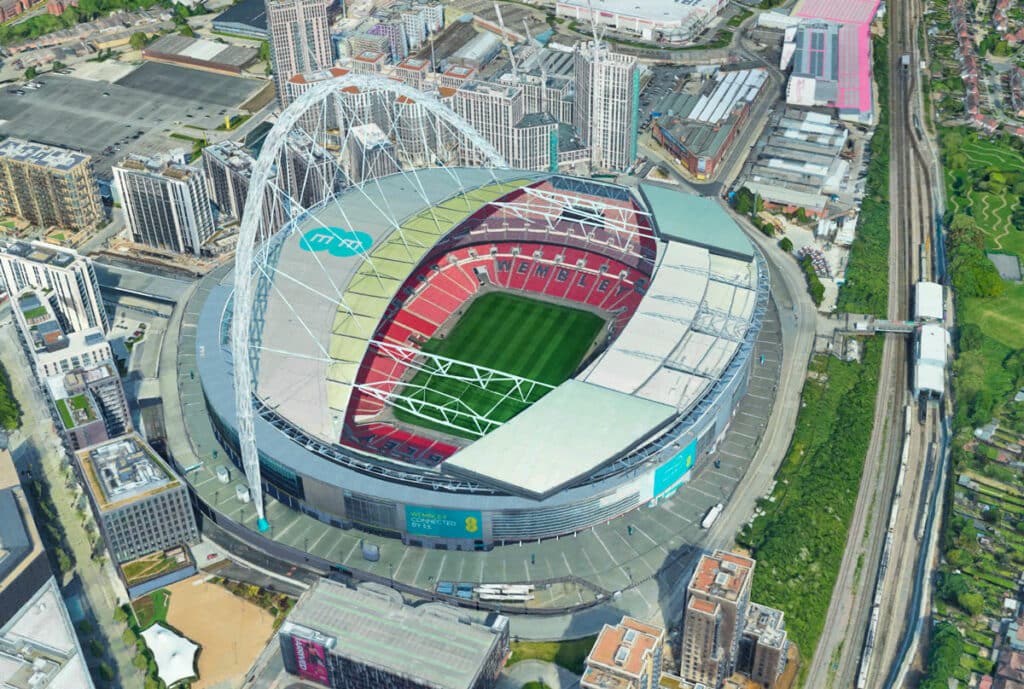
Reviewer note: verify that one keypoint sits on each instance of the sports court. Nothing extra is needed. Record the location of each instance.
(525, 337)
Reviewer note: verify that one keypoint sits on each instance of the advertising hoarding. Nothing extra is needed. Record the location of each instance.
(671, 473)
(442, 523)
(310, 660)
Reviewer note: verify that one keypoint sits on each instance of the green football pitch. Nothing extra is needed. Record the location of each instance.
(528, 338)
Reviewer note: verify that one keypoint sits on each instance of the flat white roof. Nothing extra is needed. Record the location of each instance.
(574, 429)
(930, 363)
(928, 301)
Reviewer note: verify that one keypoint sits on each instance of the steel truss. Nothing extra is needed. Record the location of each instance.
(289, 146)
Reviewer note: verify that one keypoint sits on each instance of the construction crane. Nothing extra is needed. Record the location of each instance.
(508, 45)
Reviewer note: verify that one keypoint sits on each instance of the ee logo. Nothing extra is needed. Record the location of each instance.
(472, 525)
(336, 241)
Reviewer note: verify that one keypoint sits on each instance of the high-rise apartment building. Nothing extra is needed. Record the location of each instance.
(300, 40)
(166, 204)
(368, 638)
(714, 616)
(91, 404)
(625, 656)
(141, 505)
(763, 646)
(64, 278)
(51, 349)
(228, 167)
(370, 154)
(607, 107)
(493, 110)
(48, 185)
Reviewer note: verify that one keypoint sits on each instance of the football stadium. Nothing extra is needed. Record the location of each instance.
(473, 356)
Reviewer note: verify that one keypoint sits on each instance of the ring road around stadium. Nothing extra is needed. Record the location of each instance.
(523, 356)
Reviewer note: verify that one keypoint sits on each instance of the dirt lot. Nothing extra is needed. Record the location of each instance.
(231, 631)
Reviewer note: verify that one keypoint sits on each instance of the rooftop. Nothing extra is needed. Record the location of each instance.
(38, 252)
(201, 50)
(123, 470)
(572, 430)
(622, 647)
(652, 11)
(160, 166)
(430, 644)
(722, 575)
(768, 624)
(250, 12)
(696, 220)
(42, 155)
(38, 648)
(18, 535)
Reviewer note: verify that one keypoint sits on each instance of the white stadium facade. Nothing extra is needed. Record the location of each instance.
(353, 258)
(353, 289)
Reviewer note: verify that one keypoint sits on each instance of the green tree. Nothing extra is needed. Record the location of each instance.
(138, 40)
(140, 662)
(786, 244)
(58, 65)
(31, 73)
(972, 603)
(105, 672)
(96, 649)
(63, 560)
(186, 30)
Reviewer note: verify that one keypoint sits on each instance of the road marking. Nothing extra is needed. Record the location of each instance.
(644, 534)
(354, 546)
(679, 516)
(405, 553)
(441, 567)
(416, 576)
(610, 556)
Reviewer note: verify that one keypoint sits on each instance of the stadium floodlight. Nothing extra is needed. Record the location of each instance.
(339, 136)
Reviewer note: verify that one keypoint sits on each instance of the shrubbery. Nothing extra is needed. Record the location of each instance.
(10, 411)
(814, 285)
(943, 656)
(973, 275)
(866, 289)
(799, 541)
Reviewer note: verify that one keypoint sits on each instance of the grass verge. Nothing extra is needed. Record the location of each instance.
(569, 654)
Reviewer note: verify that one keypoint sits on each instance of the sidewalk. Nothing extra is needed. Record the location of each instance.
(37, 448)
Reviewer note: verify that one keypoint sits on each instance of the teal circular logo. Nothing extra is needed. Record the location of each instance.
(336, 241)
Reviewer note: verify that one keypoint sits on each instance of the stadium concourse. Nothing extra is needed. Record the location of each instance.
(595, 490)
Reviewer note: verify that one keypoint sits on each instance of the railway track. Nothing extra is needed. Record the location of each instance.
(853, 651)
(910, 261)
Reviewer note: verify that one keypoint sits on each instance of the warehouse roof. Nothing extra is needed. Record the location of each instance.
(574, 429)
(431, 645)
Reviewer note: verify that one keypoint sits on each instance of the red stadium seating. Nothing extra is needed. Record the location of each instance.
(519, 251)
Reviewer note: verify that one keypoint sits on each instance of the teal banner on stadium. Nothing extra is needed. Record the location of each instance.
(669, 474)
(442, 523)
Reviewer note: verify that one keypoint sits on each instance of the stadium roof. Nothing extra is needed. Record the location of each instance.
(429, 644)
(568, 433)
(340, 267)
(696, 220)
